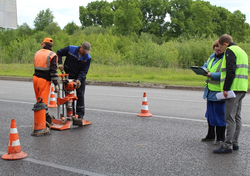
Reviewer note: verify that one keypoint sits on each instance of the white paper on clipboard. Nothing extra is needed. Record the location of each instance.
(230, 94)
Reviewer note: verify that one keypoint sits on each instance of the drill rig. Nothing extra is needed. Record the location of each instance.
(66, 99)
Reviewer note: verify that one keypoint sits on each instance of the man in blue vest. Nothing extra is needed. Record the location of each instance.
(234, 76)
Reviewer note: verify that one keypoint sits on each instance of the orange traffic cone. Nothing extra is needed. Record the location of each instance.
(14, 147)
(144, 107)
(52, 103)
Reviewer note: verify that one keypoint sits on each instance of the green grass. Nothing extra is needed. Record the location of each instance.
(128, 73)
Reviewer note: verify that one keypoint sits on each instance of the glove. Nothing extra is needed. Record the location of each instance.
(60, 67)
(56, 89)
(78, 84)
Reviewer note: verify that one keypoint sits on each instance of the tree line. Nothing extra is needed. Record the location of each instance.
(165, 19)
(133, 32)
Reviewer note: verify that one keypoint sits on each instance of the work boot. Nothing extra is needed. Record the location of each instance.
(210, 134)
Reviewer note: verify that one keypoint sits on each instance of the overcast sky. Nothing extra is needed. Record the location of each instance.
(68, 11)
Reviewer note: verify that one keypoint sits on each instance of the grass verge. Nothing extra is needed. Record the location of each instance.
(128, 73)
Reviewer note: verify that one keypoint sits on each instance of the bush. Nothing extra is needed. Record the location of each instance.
(113, 50)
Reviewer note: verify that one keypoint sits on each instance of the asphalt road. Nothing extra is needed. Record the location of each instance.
(118, 142)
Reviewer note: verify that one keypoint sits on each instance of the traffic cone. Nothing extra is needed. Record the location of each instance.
(144, 107)
(14, 147)
(52, 102)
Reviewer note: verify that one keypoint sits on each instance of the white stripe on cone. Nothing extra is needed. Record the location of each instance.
(144, 107)
(52, 99)
(13, 130)
(15, 143)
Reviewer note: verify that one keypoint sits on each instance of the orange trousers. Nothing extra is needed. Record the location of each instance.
(41, 88)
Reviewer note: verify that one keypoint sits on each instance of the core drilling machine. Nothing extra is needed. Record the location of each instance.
(67, 98)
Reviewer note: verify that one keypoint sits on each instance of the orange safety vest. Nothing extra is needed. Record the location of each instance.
(43, 64)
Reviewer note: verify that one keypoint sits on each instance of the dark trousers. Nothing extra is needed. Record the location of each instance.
(216, 131)
(80, 108)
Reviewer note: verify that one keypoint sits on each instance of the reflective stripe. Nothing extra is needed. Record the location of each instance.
(208, 62)
(213, 82)
(237, 66)
(241, 76)
(53, 74)
(236, 76)
(219, 66)
(241, 66)
(55, 78)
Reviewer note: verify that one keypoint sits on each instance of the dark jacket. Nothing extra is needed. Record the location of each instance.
(77, 67)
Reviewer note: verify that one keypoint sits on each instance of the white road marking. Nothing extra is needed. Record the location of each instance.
(57, 166)
(121, 112)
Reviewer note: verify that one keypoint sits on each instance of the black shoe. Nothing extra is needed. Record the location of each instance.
(207, 139)
(235, 147)
(223, 150)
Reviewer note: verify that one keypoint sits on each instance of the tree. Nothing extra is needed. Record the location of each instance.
(98, 13)
(128, 17)
(70, 28)
(43, 19)
(7, 35)
(84, 17)
(201, 19)
(154, 14)
(24, 29)
(180, 14)
(107, 13)
(237, 19)
(52, 28)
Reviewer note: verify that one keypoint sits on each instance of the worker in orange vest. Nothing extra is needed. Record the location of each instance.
(45, 63)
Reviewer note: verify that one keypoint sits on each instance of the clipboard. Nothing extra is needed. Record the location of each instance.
(198, 70)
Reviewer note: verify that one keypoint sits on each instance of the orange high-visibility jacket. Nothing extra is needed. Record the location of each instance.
(44, 67)
(40, 62)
